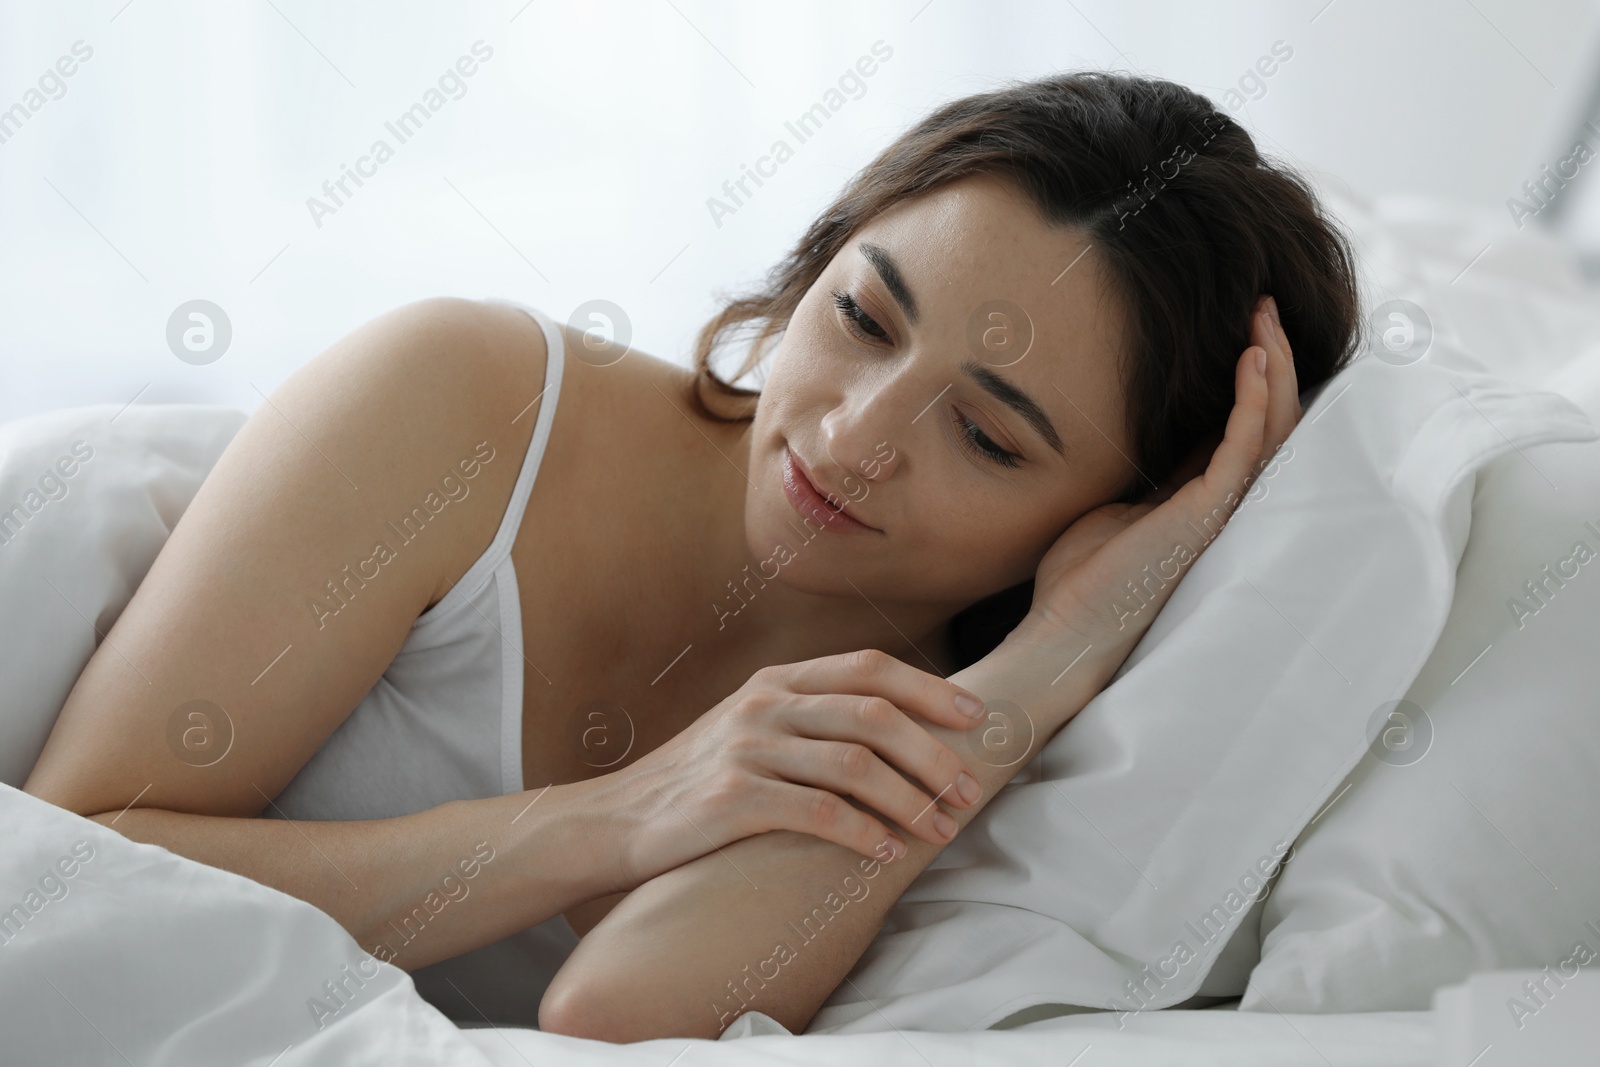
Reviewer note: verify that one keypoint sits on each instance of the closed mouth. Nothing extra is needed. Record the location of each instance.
(823, 499)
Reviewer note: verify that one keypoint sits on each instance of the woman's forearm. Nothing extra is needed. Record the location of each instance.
(419, 888)
(776, 921)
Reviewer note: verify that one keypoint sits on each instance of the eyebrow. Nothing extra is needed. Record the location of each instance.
(893, 280)
(1017, 401)
(987, 380)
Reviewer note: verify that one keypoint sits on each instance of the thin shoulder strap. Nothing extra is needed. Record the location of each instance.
(511, 522)
(548, 397)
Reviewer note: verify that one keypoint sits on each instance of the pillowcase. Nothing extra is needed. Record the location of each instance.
(1111, 872)
(1524, 311)
(1465, 841)
(88, 496)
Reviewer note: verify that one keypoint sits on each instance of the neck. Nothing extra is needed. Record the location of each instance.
(775, 624)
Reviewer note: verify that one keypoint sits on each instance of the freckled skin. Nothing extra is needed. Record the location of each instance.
(955, 526)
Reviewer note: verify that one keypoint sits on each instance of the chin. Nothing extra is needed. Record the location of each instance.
(776, 541)
(779, 532)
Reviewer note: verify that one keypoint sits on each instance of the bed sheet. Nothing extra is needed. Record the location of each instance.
(113, 951)
(1211, 1038)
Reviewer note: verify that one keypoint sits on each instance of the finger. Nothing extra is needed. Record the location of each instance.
(1288, 353)
(886, 730)
(871, 672)
(851, 769)
(1283, 401)
(1233, 464)
(826, 815)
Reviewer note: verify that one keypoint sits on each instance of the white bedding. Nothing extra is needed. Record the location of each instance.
(141, 956)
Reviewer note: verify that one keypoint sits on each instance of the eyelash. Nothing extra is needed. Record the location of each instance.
(976, 441)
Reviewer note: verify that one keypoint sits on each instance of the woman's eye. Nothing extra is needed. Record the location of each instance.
(858, 322)
(973, 439)
(864, 327)
(979, 443)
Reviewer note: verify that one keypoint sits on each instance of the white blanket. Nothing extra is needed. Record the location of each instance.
(142, 956)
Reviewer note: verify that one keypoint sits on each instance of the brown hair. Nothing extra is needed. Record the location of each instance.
(1190, 222)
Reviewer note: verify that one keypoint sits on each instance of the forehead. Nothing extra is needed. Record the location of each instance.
(981, 239)
(977, 248)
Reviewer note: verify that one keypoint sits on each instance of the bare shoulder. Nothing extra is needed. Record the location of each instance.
(346, 504)
(489, 357)
(464, 379)
(644, 400)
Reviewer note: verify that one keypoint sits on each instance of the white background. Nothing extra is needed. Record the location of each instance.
(578, 163)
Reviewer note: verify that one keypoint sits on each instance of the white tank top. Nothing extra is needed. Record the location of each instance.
(443, 723)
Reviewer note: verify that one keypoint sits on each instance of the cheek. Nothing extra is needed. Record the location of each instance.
(989, 541)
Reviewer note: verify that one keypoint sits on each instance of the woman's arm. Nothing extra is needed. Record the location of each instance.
(774, 922)
(419, 888)
(271, 604)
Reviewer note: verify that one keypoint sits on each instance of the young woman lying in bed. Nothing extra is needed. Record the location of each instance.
(1027, 357)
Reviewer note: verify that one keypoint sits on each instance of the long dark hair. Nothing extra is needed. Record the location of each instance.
(1190, 221)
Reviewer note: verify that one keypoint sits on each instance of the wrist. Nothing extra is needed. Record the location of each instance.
(607, 823)
(570, 834)
(1046, 667)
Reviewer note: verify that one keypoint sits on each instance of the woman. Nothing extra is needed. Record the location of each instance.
(1013, 336)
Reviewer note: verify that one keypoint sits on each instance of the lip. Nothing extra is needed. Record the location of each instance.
(812, 503)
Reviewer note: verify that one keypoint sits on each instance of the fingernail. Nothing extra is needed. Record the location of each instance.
(944, 824)
(894, 846)
(1272, 309)
(969, 706)
(1261, 362)
(968, 787)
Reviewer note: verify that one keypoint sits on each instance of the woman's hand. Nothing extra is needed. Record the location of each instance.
(1101, 584)
(782, 751)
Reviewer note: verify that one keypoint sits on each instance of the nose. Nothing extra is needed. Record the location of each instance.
(865, 432)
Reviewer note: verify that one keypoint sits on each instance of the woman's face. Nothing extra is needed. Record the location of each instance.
(951, 380)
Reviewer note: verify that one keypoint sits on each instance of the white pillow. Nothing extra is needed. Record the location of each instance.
(1113, 870)
(88, 496)
(1466, 841)
(1518, 305)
